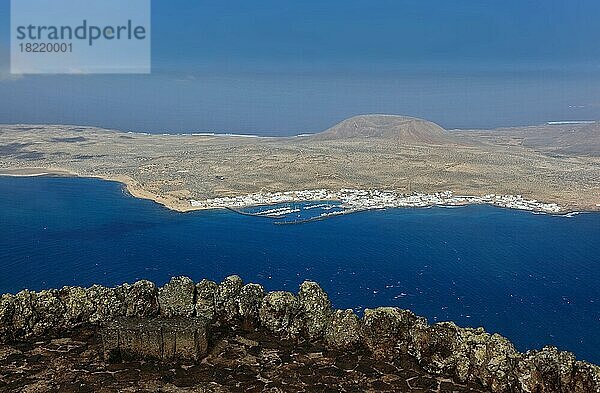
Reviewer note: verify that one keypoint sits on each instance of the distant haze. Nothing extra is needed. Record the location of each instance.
(300, 67)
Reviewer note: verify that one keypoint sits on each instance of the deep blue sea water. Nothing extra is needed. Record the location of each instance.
(533, 278)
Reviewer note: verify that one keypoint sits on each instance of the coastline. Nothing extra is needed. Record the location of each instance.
(131, 186)
(189, 205)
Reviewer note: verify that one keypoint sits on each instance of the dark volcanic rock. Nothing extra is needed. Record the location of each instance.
(278, 312)
(386, 330)
(24, 317)
(78, 307)
(436, 347)
(315, 309)
(162, 339)
(49, 312)
(227, 299)
(343, 331)
(388, 350)
(467, 354)
(493, 359)
(206, 292)
(176, 298)
(254, 362)
(106, 302)
(551, 370)
(250, 299)
(142, 300)
(7, 308)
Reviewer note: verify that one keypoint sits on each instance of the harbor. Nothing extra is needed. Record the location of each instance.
(347, 201)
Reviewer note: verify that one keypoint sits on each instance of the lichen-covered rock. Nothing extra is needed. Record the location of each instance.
(249, 301)
(343, 330)
(586, 378)
(551, 370)
(7, 308)
(278, 311)
(206, 292)
(24, 316)
(78, 307)
(227, 299)
(435, 347)
(49, 310)
(386, 331)
(176, 298)
(142, 300)
(492, 359)
(315, 309)
(107, 303)
(467, 354)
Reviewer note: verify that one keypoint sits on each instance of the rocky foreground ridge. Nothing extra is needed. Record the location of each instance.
(284, 335)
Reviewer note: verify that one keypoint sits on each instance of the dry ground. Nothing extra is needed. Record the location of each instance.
(171, 169)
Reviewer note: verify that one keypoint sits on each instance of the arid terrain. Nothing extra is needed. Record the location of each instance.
(552, 163)
(253, 362)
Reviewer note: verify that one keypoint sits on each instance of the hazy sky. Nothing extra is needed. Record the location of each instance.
(291, 67)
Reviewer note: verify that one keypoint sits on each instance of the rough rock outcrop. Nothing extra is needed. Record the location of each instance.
(142, 300)
(205, 299)
(386, 330)
(106, 302)
(237, 361)
(551, 370)
(176, 298)
(278, 313)
(7, 308)
(24, 317)
(226, 299)
(315, 309)
(468, 356)
(49, 311)
(249, 302)
(343, 330)
(78, 307)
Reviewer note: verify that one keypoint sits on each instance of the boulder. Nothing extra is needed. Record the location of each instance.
(142, 300)
(249, 301)
(227, 299)
(492, 359)
(278, 312)
(107, 303)
(206, 292)
(7, 308)
(467, 354)
(343, 331)
(586, 378)
(24, 317)
(176, 298)
(436, 349)
(78, 307)
(49, 310)
(386, 331)
(551, 370)
(315, 309)
(494, 363)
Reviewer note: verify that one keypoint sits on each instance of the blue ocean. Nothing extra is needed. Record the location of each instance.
(532, 278)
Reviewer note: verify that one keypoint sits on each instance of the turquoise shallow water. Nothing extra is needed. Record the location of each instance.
(532, 278)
